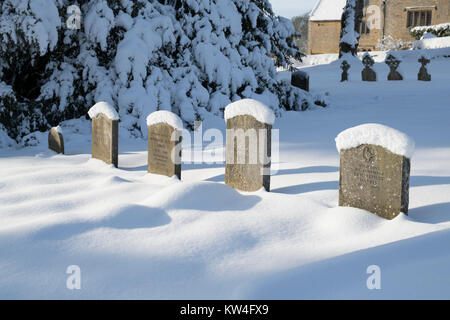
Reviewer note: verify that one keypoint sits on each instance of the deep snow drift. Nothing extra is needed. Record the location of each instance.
(136, 235)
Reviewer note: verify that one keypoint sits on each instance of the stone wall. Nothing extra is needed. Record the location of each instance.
(324, 37)
(396, 15)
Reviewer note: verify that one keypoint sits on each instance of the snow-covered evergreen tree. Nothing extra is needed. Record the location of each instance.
(350, 25)
(190, 56)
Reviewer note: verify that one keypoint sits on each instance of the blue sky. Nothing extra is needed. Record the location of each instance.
(291, 8)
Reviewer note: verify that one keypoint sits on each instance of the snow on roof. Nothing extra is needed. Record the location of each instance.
(166, 117)
(328, 10)
(395, 141)
(103, 108)
(251, 107)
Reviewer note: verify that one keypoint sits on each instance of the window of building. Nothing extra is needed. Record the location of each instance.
(418, 18)
(366, 5)
(365, 28)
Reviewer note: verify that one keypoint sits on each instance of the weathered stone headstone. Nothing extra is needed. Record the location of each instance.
(368, 74)
(248, 145)
(345, 66)
(300, 79)
(372, 176)
(165, 130)
(393, 64)
(423, 72)
(56, 140)
(105, 133)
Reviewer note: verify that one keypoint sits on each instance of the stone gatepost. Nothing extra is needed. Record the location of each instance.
(105, 133)
(375, 169)
(248, 145)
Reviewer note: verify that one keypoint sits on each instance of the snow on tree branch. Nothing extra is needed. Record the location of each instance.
(351, 22)
(191, 57)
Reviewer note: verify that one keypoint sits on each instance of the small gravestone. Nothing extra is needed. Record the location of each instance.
(345, 66)
(165, 131)
(300, 79)
(56, 140)
(105, 133)
(393, 64)
(248, 145)
(368, 74)
(423, 72)
(374, 170)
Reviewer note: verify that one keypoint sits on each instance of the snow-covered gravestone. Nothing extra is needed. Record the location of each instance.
(368, 74)
(248, 146)
(105, 133)
(165, 130)
(56, 140)
(374, 170)
(300, 79)
(393, 63)
(423, 72)
(345, 66)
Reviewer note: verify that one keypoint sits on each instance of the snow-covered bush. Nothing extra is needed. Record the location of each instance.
(428, 35)
(388, 43)
(440, 30)
(192, 57)
(432, 43)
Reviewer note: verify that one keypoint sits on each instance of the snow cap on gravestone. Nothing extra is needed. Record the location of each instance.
(103, 108)
(376, 134)
(166, 117)
(250, 107)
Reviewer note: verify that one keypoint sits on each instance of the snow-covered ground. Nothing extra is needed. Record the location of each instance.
(136, 235)
(432, 43)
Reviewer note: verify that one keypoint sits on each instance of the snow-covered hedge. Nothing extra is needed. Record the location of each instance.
(440, 30)
(432, 43)
(192, 57)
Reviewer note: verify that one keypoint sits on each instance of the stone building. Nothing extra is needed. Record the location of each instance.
(382, 18)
